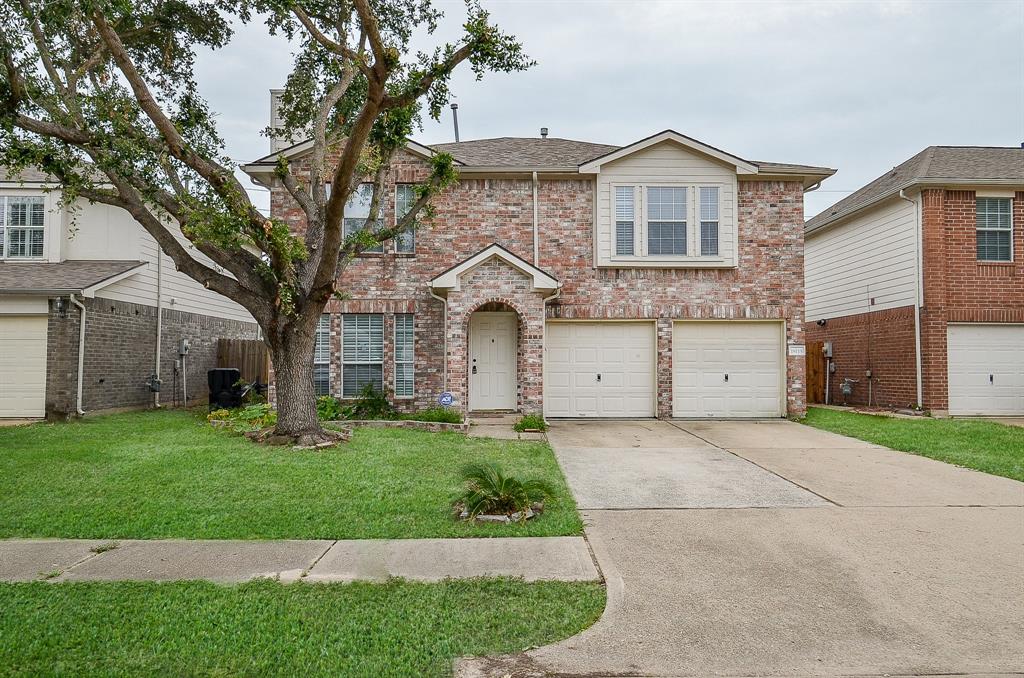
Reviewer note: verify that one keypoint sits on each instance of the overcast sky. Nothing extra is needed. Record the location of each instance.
(859, 86)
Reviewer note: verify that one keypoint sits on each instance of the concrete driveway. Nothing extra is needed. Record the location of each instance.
(770, 548)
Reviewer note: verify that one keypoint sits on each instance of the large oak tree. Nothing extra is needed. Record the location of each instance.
(101, 94)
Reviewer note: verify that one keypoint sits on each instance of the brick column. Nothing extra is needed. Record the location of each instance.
(663, 368)
(933, 312)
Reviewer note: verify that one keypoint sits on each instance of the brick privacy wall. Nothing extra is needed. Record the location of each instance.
(768, 283)
(880, 341)
(119, 348)
(958, 287)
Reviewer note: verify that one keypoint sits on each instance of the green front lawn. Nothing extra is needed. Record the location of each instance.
(265, 628)
(168, 474)
(982, 445)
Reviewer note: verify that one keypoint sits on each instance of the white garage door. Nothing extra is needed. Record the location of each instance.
(22, 366)
(986, 369)
(599, 369)
(727, 369)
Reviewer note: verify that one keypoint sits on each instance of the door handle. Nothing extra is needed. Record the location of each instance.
(990, 379)
(474, 369)
(599, 377)
(727, 377)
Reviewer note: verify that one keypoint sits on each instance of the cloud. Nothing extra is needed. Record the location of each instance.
(854, 85)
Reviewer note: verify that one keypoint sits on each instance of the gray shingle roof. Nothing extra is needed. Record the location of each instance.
(938, 164)
(27, 175)
(524, 152)
(29, 277)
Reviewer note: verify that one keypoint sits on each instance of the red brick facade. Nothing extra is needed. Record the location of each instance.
(957, 288)
(767, 284)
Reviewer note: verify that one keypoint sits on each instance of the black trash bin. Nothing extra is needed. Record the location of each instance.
(224, 390)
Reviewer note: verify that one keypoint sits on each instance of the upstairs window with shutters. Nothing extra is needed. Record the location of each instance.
(666, 220)
(709, 221)
(995, 229)
(22, 220)
(625, 220)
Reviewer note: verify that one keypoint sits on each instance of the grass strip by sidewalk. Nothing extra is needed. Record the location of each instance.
(264, 628)
(981, 445)
(149, 475)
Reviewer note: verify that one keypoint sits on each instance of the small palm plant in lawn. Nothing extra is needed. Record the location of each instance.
(490, 492)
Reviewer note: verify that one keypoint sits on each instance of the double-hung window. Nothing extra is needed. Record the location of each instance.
(22, 219)
(709, 221)
(404, 363)
(322, 356)
(357, 211)
(405, 198)
(362, 347)
(625, 220)
(666, 220)
(995, 229)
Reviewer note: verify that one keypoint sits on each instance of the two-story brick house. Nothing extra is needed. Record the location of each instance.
(663, 278)
(918, 280)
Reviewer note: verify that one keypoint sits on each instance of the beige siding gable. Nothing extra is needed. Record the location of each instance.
(666, 164)
(872, 256)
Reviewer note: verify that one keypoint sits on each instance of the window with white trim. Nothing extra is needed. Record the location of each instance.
(709, 221)
(404, 363)
(357, 211)
(322, 356)
(405, 198)
(995, 229)
(666, 220)
(625, 220)
(362, 348)
(22, 221)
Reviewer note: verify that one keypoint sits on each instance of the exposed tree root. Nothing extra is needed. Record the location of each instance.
(316, 440)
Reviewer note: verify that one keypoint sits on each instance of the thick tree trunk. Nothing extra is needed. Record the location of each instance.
(292, 356)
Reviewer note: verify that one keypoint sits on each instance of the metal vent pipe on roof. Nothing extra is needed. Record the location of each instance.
(455, 120)
(543, 132)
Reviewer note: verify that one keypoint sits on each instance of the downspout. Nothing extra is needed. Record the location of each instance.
(81, 353)
(918, 371)
(159, 323)
(536, 242)
(444, 303)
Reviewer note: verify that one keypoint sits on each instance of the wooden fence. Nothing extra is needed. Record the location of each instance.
(250, 356)
(815, 375)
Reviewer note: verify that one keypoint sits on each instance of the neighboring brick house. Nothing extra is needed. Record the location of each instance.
(664, 278)
(103, 267)
(918, 277)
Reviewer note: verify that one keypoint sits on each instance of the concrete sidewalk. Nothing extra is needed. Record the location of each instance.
(61, 560)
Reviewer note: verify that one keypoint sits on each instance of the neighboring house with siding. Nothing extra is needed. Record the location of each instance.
(663, 278)
(918, 277)
(58, 266)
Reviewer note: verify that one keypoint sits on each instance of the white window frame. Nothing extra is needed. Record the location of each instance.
(370, 360)
(635, 209)
(411, 231)
(1008, 230)
(717, 221)
(640, 229)
(6, 228)
(357, 209)
(322, 351)
(407, 357)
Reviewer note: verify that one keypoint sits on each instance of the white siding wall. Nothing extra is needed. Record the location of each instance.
(668, 164)
(104, 232)
(873, 255)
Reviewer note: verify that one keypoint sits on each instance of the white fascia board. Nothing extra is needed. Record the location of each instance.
(449, 280)
(741, 165)
(90, 292)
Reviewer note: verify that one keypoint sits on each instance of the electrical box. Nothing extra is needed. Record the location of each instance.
(827, 349)
(183, 347)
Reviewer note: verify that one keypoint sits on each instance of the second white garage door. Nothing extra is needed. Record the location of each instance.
(986, 369)
(599, 369)
(22, 366)
(727, 369)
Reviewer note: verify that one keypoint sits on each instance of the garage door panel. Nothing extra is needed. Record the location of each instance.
(621, 352)
(22, 366)
(749, 352)
(974, 352)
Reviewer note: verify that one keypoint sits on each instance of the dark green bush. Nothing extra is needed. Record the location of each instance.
(489, 491)
(371, 404)
(328, 408)
(531, 422)
(436, 414)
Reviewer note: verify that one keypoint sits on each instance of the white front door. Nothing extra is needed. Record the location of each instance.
(22, 366)
(727, 368)
(986, 369)
(492, 361)
(603, 368)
